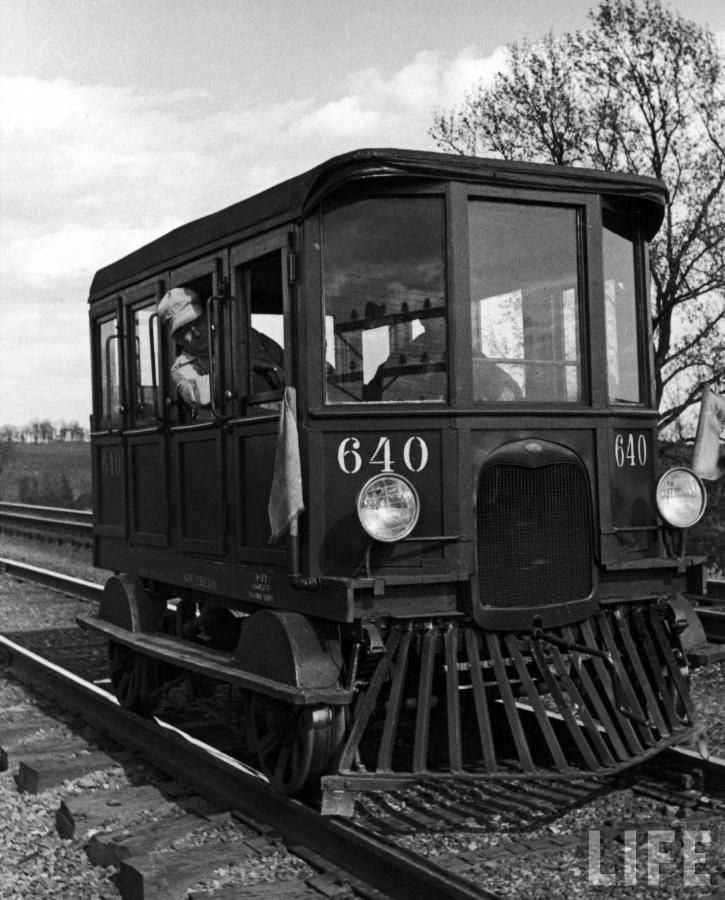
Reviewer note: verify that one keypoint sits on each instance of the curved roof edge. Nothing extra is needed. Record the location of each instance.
(288, 201)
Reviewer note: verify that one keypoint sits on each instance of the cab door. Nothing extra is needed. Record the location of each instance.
(196, 437)
(109, 416)
(262, 366)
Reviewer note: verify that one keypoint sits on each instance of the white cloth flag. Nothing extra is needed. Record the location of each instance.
(708, 458)
(285, 498)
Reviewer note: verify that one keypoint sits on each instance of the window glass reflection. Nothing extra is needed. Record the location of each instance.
(524, 302)
(110, 373)
(621, 319)
(145, 406)
(385, 302)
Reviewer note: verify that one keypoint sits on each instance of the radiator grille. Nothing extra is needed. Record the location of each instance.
(534, 535)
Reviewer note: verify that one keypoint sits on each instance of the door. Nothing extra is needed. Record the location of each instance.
(262, 365)
(197, 458)
(146, 437)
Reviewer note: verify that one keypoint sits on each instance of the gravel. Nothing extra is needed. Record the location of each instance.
(708, 691)
(34, 861)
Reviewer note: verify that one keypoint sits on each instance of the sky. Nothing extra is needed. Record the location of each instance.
(122, 119)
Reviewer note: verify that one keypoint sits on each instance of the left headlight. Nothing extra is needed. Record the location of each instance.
(388, 507)
(681, 497)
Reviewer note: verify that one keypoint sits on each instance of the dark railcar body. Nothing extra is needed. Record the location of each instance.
(468, 343)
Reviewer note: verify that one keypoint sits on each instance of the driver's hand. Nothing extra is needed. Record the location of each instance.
(189, 393)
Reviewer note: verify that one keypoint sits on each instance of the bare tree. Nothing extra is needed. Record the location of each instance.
(47, 431)
(641, 91)
(76, 430)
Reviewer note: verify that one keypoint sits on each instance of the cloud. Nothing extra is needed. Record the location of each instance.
(73, 251)
(90, 172)
(115, 158)
(398, 107)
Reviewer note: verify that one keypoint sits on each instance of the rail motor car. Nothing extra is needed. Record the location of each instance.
(476, 572)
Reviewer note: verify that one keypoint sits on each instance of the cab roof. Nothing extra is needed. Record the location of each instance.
(291, 199)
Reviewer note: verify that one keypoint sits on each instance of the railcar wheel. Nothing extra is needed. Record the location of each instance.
(135, 679)
(294, 745)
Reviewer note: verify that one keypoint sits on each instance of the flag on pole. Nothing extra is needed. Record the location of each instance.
(285, 498)
(708, 460)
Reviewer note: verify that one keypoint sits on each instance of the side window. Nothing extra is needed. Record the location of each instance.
(145, 365)
(262, 352)
(192, 336)
(623, 334)
(108, 411)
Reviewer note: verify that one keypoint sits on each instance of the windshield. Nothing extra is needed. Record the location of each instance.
(385, 300)
(524, 302)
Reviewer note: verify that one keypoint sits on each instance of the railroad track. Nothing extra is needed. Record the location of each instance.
(371, 849)
(336, 846)
(710, 609)
(342, 852)
(112, 821)
(73, 526)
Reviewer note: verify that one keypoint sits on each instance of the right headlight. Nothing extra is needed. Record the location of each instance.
(388, 507)
(681, 497)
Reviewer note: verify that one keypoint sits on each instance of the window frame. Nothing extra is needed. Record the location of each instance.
(421, 190)
(585, 208)
(241, 259)
(103, 423)
(214, 267)
(629, 229)
(145, 296)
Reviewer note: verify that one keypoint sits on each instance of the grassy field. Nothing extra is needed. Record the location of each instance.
(58, 469)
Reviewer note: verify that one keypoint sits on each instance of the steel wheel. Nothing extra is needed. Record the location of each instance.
(294, 745)
(135, 679)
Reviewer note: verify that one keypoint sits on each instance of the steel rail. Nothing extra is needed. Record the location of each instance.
(710, 609)
(688, 761)
(66, 525)
(223, 779)
(46, 513)
(66, 584)
(713, 622)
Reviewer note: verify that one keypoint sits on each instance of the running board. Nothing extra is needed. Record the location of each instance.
(212, 663)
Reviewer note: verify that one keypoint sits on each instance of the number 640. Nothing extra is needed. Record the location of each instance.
(630, 450)
(415, 455)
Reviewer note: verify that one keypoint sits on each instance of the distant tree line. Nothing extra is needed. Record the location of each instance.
(47, 489)
(42, 431)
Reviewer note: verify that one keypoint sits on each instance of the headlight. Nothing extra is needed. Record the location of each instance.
(388, 507)
(681, 497)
